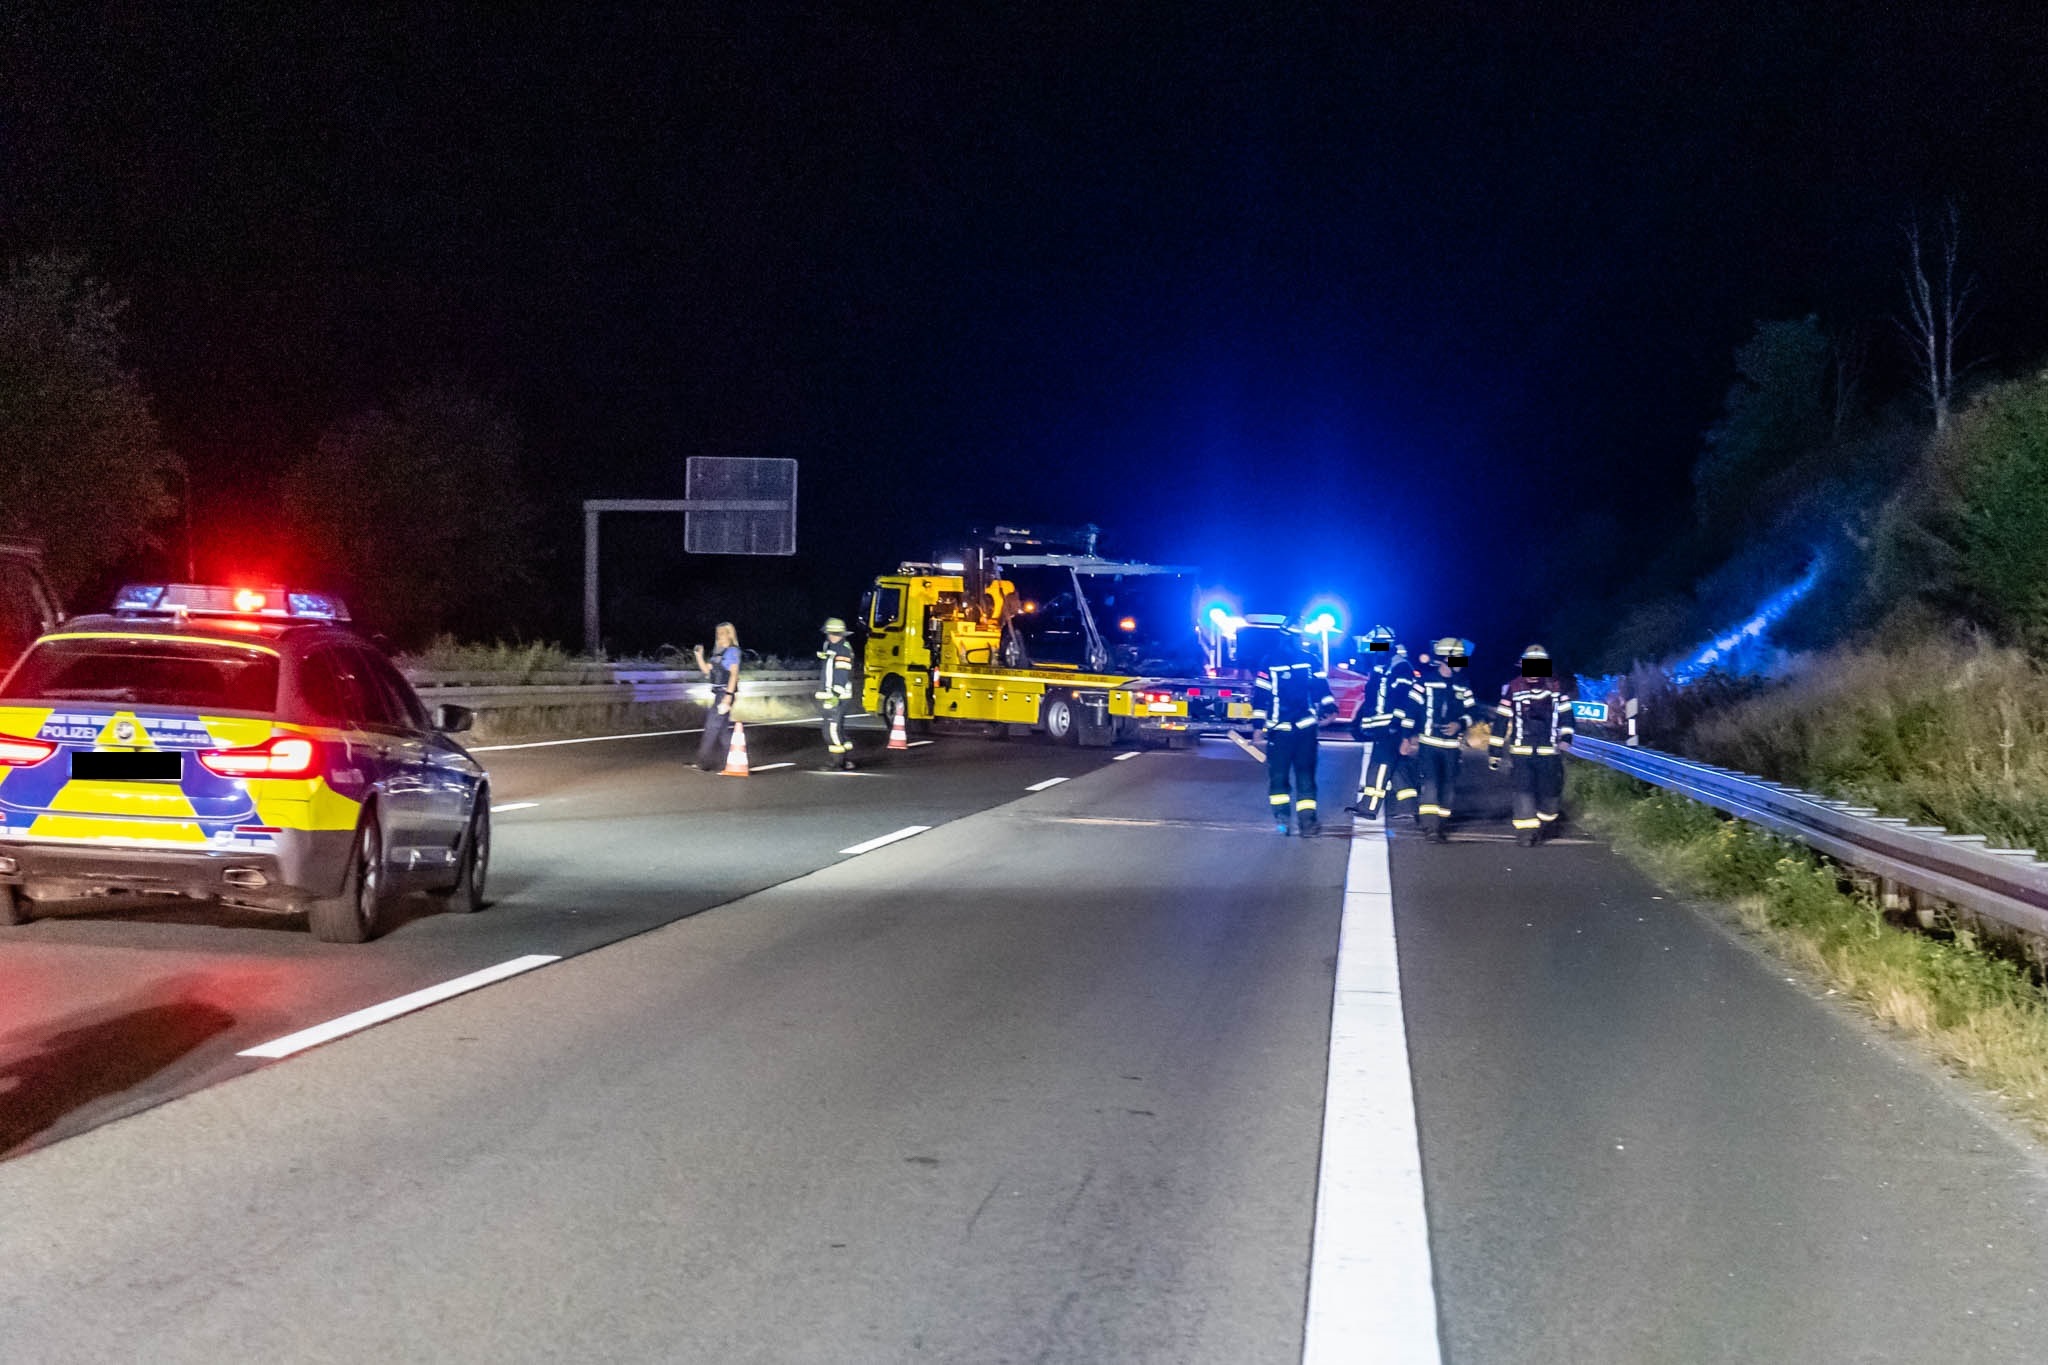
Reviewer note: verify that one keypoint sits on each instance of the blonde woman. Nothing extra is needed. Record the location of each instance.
(724, 668)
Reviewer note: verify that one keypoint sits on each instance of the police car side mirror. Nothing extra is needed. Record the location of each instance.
(451, 719)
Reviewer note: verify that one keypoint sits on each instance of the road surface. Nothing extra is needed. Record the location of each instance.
(1045, 1083)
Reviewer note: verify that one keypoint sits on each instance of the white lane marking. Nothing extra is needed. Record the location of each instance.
(1133, 753)
(513, 805)
(1041, 786)
(1370, 1278)
(770, 767)
(391, 1009)
(920, 743)
(874, 844)
(636, 734)
(1241, 742)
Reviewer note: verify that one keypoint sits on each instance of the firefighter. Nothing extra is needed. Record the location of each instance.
(1297, 701)
(1386, 723)
(1534, 721)
(835, 694)
(1444, 711)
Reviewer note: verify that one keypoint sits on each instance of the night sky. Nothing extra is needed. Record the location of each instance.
(1423, 305)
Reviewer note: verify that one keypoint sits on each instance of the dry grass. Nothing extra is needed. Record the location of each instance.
(1981, 1013)
(1954, 735)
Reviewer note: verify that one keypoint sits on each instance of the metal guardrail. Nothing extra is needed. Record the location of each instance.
(2008, 885)
(593, 686)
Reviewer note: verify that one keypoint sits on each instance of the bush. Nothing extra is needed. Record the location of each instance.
(1949, 735)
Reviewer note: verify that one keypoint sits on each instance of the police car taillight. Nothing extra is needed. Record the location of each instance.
(18, 751)
(285, 756)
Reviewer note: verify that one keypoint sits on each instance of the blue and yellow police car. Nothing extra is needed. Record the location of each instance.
(234, 744)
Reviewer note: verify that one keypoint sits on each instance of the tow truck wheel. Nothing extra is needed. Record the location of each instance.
(13, 906)
(353, 915)
(1062, 721)
(466, 897)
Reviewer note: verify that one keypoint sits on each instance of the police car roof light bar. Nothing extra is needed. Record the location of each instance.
(212, 599)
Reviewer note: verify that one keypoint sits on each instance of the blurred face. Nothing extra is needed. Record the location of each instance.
(726, 636)
(833, 637)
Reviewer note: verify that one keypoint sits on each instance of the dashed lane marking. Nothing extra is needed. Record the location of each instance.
(1131, 754)
(770, 767)
(513, 805)
(920, 743)
(1041, 786)
(391, 1009)
(871, 845)
(1370, 1275)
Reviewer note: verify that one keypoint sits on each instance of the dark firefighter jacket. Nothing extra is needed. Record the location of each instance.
(837, 678)
(1444, 709)
(1533, 715)
(1297, 695)
(1386, 711)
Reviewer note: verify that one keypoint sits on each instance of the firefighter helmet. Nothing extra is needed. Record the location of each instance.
(834, 626)
(1535, 662)
(1380, 640)
(1452, 651)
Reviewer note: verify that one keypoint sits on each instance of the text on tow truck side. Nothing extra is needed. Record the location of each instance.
(1034, 630)
(235, 745)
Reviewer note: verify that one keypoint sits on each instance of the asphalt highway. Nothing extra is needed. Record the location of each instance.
(1047, 1082)
(109, 1007)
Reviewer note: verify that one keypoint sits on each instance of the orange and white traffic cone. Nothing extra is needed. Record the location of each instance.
(736, 757)
(898, 738)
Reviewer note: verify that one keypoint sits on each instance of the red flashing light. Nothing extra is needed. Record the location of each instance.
(1129, 623)
(248, 599)
(19, 751)
(284, 756)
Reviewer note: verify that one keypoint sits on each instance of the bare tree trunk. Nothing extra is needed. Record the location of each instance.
(1936, 312)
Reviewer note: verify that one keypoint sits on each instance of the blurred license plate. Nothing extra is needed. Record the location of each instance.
(146, 765)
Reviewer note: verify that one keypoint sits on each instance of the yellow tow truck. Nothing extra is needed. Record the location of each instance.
(1018, 634)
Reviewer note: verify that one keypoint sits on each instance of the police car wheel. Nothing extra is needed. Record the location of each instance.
(13, 906)
(353, 916)
(466, 897)
(1062, 722)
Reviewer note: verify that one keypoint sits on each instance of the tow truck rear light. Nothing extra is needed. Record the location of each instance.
(18, 751)
(285, 756)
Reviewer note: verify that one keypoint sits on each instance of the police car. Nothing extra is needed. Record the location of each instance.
(233, 744)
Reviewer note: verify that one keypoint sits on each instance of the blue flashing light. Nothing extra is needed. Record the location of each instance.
(317, 606)
(1325, 616)
(1734, 650)
(139, 597)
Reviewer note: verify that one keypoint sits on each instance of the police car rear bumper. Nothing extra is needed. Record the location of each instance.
(298, 865)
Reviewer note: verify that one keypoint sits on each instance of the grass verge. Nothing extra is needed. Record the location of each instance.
(1979, 1012)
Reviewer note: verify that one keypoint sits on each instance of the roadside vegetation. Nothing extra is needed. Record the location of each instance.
(1981, 1012)
(1953, 734)
(521, 661)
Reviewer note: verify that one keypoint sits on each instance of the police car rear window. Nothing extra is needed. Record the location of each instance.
(188, 675)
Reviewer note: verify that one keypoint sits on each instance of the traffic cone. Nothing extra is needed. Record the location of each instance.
(736, 757)
(898, 738)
